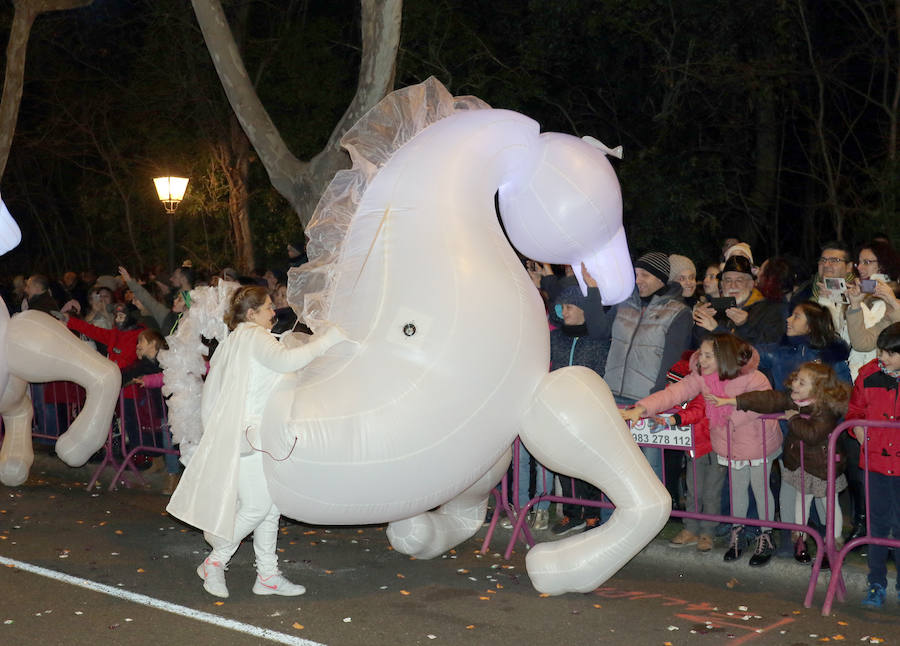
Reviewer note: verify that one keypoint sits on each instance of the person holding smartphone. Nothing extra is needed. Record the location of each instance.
(741, 309)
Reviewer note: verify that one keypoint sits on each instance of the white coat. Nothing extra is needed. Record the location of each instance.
(242, 373)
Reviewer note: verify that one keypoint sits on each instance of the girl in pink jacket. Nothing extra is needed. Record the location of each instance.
(725, 366)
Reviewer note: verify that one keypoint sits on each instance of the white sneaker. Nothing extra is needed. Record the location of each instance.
(213, 575)
(541, 519)
(277, 584)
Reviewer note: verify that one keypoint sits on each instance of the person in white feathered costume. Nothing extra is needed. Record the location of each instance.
(223, 490)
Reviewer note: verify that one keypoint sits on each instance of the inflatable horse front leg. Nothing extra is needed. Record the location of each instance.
(574, 427)
(40, 349)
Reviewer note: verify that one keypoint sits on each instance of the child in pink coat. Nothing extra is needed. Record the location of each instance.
(725, 366)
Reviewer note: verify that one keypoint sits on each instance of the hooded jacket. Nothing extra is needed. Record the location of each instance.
(743, 430)
(875, 397)
(778, 360)
(242, 373)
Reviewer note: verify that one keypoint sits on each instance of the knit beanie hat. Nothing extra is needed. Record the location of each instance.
(680, 265)
(571, 295)
(656, 263)
(740, 249)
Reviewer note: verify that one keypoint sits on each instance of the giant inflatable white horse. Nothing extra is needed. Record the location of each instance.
(414, 426)
(34, 348)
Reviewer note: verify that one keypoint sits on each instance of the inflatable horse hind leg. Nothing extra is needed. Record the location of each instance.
(39, 349)
(431, 534)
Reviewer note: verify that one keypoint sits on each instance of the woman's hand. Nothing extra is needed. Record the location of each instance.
(788, 414)
(885, 293)
(719, 401)
(588, 279)
(737, 315)
(860, 434)
(854, 293)
(70, 306)
(632, 414)
(705, 316)
(124, 274)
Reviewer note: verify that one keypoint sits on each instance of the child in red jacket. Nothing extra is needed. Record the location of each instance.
(876, 396)
(705, 476)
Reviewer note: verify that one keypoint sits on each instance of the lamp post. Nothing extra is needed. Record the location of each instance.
(171, 191)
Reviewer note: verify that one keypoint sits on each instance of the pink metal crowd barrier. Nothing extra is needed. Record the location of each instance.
(139, 426)
(518, 513)
(836, 587)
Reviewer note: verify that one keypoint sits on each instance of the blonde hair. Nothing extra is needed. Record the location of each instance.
(244, 299)
(827, 390)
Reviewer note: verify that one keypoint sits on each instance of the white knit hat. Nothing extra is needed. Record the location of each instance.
(740, 249)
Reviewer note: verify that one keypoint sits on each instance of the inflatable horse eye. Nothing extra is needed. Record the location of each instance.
(567, 185)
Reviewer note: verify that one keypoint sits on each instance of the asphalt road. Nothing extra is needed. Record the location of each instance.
(100, 567)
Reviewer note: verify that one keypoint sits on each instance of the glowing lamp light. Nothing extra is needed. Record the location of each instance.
(170, 191)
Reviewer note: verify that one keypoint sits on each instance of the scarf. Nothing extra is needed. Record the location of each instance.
(890, 373)
(717, 415)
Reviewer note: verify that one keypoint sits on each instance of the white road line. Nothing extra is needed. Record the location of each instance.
(159, 604)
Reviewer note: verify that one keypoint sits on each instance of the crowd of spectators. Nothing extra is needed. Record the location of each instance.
(800, 335)
(127, 318)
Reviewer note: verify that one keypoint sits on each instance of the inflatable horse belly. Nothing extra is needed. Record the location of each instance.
(453, 338)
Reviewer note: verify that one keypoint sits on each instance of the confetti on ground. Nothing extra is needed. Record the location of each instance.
(430, 636)
(484, 598)
(140, 570)
(543, 595)
(400, 576)
(597, 605)
(742, 608)
(731, 583)
(470, 627)
(219, 603)
(671, 628)
(347, 620)
(404, 593)
(843, 623)
(298, 626)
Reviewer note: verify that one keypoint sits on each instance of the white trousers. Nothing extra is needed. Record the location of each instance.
(255, 513)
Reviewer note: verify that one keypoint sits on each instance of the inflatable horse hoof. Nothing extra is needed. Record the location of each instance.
(14, 472)
(412, 536)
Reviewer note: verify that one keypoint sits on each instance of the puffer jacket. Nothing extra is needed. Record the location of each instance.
(743, 429)
(875, 397)
(778, 360)
(811, 434)
(646, 341)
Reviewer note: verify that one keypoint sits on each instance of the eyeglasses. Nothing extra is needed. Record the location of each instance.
(830, 261)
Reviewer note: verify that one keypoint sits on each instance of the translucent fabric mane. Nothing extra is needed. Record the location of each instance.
(371, 143)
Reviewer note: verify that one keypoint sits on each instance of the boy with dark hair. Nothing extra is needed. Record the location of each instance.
(875, 397)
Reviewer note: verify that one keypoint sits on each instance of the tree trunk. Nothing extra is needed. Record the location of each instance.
(13, 81)
(301, 183)
(239, 198)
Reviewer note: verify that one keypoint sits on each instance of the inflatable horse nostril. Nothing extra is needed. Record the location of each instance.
(409, 329)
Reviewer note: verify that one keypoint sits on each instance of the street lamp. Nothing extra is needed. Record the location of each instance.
(171, 191)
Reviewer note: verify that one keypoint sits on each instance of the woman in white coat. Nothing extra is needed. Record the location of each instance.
(223, 490)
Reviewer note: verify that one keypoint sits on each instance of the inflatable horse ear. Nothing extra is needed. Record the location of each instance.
(35, 347)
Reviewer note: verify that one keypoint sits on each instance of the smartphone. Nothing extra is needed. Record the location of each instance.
(867, 286)
(723, 303)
